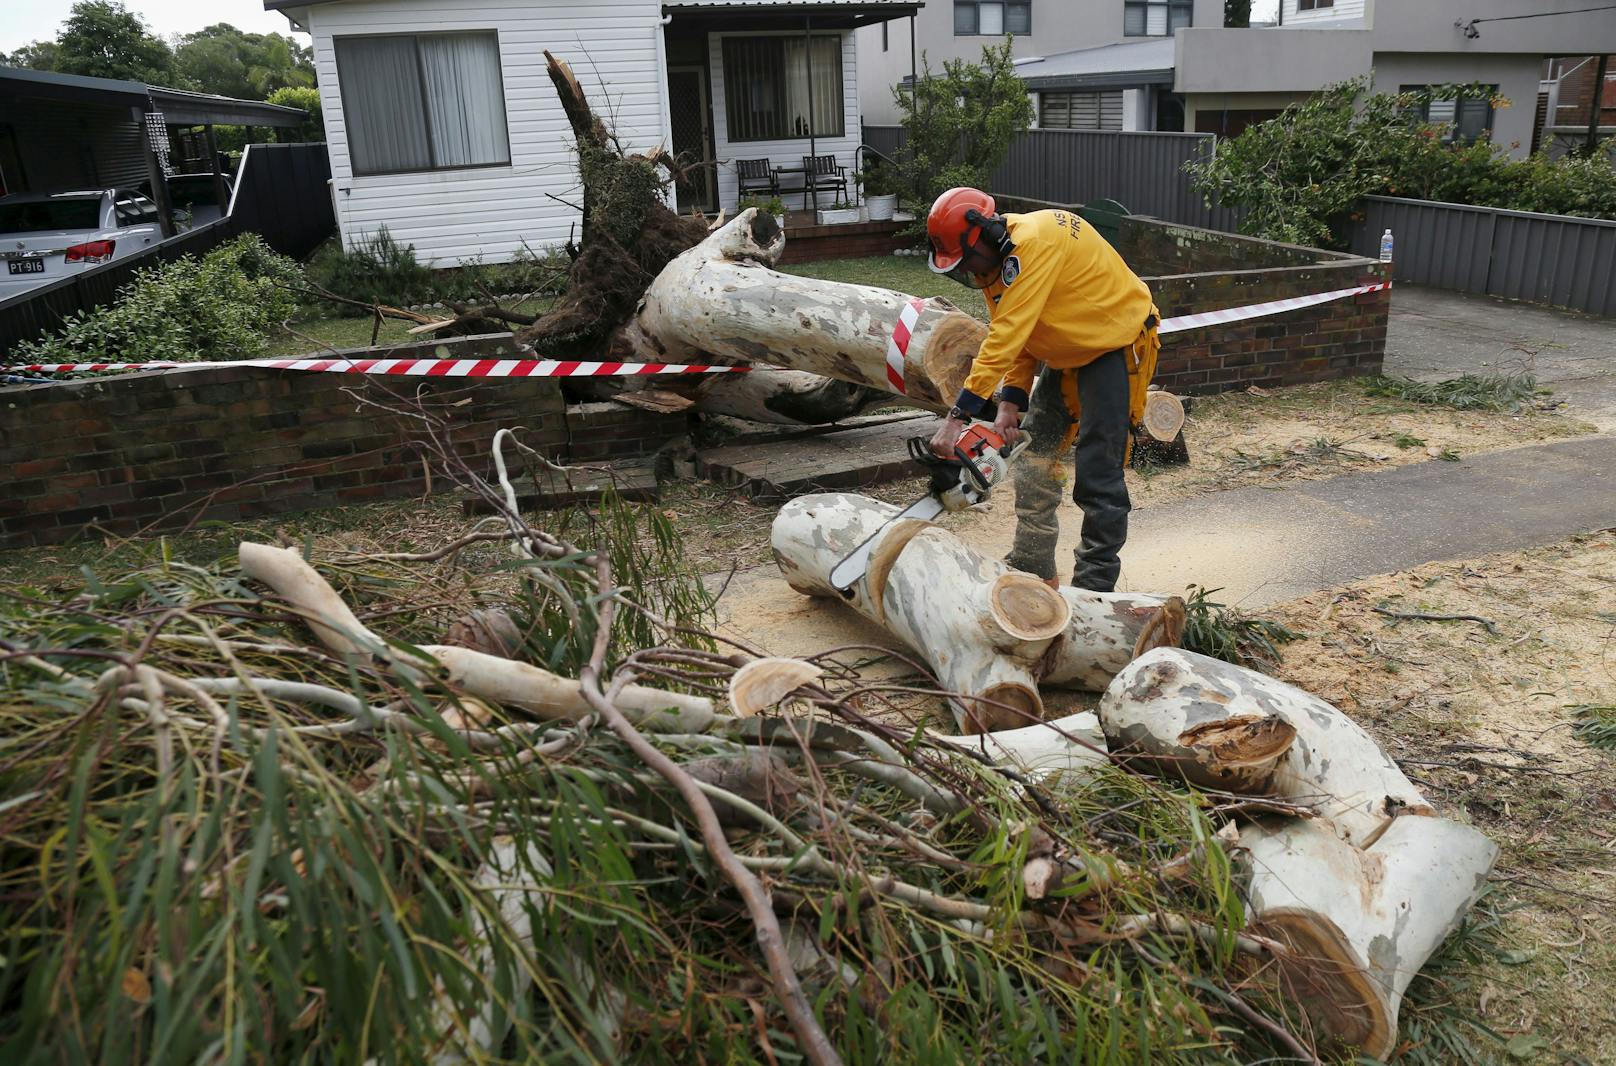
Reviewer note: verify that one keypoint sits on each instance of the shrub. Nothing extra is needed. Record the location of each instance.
(378, 270)
(1299, 176)
(960, 123)
(225, 305)
(313, 128)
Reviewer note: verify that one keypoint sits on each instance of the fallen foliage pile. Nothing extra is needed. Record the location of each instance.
(226, 840)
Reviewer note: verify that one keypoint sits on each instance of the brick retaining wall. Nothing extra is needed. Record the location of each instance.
(162, 449)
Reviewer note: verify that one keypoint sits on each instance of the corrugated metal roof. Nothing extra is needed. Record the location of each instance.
(1129, 63)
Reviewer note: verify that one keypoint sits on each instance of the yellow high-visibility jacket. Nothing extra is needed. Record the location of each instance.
(1064, 297)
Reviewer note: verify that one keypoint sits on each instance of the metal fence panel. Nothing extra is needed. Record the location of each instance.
(1555, 259)
(281, 194)
(1142, 171)
(1549, 259)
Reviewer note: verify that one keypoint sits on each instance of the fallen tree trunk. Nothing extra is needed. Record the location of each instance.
(766, 394)
(1223, 726)
(1360, 922)
(1073, 743)
(719, 301)
(1108, 631)
(983, 628)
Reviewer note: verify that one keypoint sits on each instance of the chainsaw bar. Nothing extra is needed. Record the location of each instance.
(850, 569)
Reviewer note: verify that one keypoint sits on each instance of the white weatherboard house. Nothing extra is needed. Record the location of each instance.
(444, 127)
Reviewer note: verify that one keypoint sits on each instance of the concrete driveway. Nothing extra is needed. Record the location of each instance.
(1435, 334)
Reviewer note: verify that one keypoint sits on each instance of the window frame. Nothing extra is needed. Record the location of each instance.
(1168, 6)
(976, 17)
(1454, 135)
(426, 111)
(144, 213)
(1315, 5)
(841, 71)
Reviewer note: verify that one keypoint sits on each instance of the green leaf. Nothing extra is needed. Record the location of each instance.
(1526, 1046)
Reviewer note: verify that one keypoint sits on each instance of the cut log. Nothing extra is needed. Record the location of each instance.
(1073, 743)
(1108, 631)
(984, 629)
(719, 301)
(762, 683)
(1360, 923)
(1222, 726)
(1164, 416)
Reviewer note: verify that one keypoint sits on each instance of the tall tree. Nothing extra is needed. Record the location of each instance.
(1237, 13)
(40, 55)
(222, 59)
(104, 39)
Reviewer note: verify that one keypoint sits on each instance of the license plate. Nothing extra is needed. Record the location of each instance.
(25, 266)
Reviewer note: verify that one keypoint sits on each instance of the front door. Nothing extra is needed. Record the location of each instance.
(692, 136)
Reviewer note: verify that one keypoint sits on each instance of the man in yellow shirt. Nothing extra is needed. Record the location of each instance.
(1058, 295)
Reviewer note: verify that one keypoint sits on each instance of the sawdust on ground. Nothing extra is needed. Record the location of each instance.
(1485, 724)
(1310, 432)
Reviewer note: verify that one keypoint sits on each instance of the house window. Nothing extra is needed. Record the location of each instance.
(423, 102)
(767, 82)
(1465, 119)
(883, 36)
(1155, 18)
(1314, 5)
(991, 18)
(1080, 111)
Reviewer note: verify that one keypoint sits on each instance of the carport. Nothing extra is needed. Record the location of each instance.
(60, 132)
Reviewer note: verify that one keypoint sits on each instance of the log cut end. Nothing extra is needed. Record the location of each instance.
(1028, 609)
(1237, 754)
(1008, 706)
(1164, 629)
(948, 354)
(1322, 974)
(1163, 419)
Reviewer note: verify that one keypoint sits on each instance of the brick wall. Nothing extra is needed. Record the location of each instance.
(162, 449)
(808, 244)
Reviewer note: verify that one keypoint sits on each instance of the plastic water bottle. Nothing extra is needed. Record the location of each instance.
(1386, 247)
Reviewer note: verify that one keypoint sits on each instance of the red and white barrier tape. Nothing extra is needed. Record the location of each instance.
(430, 368)
(897, 351)
(898, 344)
(1262, 310)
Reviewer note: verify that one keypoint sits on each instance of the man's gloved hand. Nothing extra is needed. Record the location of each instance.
(1007, 423)
(947, 438)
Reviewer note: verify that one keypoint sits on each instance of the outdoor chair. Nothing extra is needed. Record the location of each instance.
(757, 175)
(821, 173)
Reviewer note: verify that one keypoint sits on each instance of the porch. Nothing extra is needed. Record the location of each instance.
(770, 84)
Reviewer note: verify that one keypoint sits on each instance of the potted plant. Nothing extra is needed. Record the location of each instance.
(880, 193)
(773, 206)
(839, 213)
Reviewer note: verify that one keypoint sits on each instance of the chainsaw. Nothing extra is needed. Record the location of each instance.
(980, 463)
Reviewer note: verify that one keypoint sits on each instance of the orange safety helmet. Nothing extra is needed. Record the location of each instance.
(954, 227)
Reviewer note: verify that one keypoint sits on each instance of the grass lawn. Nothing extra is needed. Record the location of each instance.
(904, 273)
(318, 332)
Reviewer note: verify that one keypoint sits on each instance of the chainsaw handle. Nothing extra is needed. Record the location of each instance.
(972, 469)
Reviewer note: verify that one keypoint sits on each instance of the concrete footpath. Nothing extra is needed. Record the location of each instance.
(1265, 545)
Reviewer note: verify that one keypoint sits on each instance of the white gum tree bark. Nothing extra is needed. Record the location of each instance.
(1360, 922)
(1223, 726)
(487, 677)
(720, 301)
(983, 628)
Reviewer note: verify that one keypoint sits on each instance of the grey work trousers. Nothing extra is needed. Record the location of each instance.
(1099, 487)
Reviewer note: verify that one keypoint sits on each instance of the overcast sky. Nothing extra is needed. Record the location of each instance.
(22, 21)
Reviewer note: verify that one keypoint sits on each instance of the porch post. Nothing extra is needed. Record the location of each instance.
(154, 172)
(914, 76)
(812, 177)
(213, 167)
